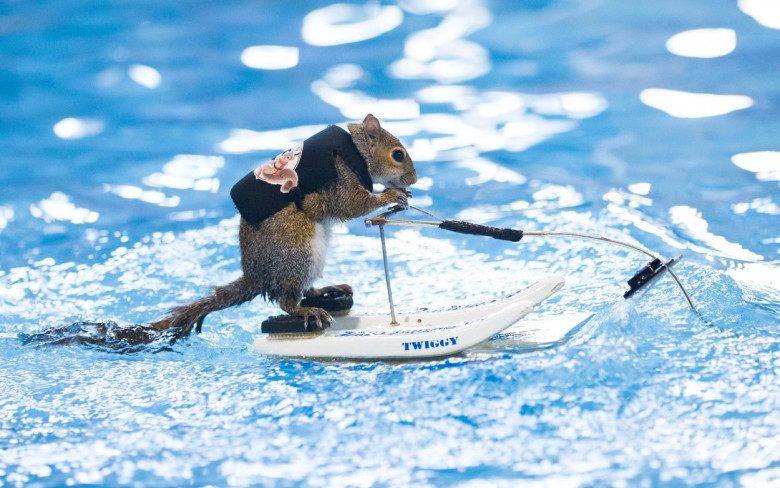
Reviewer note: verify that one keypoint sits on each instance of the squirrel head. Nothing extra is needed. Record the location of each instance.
(388, 162)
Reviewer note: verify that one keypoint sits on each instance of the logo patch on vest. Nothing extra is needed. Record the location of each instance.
(281, 169)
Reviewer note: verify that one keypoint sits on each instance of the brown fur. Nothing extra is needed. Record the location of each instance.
(278, 257)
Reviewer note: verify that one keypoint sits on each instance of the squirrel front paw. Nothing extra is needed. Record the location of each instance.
(399, 197)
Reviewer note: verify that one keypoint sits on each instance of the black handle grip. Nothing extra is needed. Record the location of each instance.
(482, 230)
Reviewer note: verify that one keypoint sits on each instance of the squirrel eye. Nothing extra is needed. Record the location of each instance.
(399, 155)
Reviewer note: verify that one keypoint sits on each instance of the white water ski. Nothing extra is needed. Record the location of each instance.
(419, 334)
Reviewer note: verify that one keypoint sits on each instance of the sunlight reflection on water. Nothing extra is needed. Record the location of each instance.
(442, 53)
(59, 207)
(693, 105)
(145, 76)
(703, 43)
(76, 128)
(188, 171)
(766, 12)
(343, 23)
(765, 164)
(270, 57)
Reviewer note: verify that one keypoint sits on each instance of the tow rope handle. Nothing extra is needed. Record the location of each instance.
(504, 234)
(459, 226)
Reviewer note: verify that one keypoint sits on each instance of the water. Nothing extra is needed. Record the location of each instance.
(124, 125)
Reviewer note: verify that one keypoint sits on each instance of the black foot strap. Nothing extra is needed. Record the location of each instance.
(332, 301)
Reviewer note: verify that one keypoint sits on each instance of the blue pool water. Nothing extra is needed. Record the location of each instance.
(123, 126)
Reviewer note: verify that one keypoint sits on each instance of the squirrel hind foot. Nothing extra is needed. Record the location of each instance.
(322, 319)
(313, 318)
(291, 303)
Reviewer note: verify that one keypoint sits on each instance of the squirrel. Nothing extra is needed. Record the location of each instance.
(284, 253)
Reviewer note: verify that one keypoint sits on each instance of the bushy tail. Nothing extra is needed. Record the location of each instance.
(186, 317)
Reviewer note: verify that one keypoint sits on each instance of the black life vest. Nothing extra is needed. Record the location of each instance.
(288, 178)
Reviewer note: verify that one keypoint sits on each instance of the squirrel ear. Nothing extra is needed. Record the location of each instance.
(372, 126)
